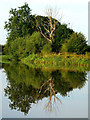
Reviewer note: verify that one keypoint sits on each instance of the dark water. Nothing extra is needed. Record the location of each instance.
(42, 93)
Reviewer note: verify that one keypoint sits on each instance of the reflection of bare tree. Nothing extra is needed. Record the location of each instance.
(49, 87)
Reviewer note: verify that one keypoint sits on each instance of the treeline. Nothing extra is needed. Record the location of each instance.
(25, 35)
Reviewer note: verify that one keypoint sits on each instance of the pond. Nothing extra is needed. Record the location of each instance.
(42, 93)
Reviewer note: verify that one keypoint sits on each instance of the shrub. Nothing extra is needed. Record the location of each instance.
(76, 43)
(24, 46)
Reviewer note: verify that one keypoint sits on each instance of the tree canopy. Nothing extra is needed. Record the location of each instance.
(20, 22)
(24, 31)
(61, 33)
(76, 43)
(24, 46)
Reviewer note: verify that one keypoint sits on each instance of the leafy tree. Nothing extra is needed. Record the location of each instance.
(61, 33)
(76, 43)
(24, 46)
(20, 23)
(35, 43)
(23, 39)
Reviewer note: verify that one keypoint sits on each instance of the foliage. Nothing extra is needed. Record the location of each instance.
(24, 46)
(76, 43)
(5, 58)
(20, 23)
(57, 61)
(88, 48)
(5, 49)
(46, 48)
(61, 33)
(23, 39)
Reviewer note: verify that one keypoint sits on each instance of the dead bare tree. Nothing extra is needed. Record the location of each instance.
(50, 27)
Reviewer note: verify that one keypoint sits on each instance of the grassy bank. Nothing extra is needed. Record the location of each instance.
(53, 61)
(59, 61)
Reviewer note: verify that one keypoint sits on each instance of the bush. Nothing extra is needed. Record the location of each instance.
(76, 43)
(24, 46)
(35, 43)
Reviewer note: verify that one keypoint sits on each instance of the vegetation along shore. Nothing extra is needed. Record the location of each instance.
(43, 41)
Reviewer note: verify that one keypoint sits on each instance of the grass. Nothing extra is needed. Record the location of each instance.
(59, 61)
(53, 61)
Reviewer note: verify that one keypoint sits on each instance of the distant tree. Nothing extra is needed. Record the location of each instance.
(20, 22)
(76, 43)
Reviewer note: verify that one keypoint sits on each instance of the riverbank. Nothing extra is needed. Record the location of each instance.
(53, 61)
(56, 61)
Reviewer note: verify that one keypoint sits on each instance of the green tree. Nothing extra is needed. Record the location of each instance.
(24, 46)
(20, 22)
(76, 43)
(61, 33)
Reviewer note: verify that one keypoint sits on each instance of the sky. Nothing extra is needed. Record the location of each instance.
(74, 12)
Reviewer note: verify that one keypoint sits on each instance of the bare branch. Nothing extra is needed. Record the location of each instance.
(48, 26)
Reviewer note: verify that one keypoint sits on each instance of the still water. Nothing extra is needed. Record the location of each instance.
(41, 93)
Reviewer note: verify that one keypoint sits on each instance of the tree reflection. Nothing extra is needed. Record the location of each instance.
(49, 87)
(20, 96)
(29, 85)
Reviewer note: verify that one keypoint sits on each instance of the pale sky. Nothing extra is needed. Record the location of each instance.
(74, 12)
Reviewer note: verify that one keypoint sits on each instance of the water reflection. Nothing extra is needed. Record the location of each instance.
(29, 85)
(49, 87)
